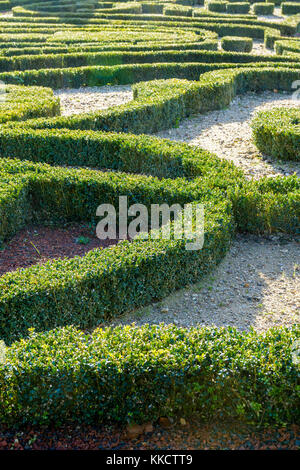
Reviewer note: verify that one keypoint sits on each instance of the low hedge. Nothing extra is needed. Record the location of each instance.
(162, 104)
(263, 8)
(178, 10)
(231, 43)
(20, 103)
(290, 8)
(241, 8)
(219, 7)
(131, 73)
(208, 45)
(135, 375)
(79, 59)
(286, 46)
(5, 5)
(277, 132)
(50, 295)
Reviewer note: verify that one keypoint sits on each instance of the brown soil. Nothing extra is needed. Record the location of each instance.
(37, 244)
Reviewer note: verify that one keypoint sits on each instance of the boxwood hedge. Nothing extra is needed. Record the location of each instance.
(130, 373)
(19, 103)
(230, 43)
(277, 132)
(41, 193)
(263, 8)
(134, 374)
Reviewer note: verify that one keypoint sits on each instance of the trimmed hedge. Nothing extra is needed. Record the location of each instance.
(277, 132)
(79, 59)
(231, 43)
(286, 46)
(50, 295)
(135, 374)
(162, 104)
(219, 7)
(289, 8)
(20, 103)
(263, 8)
(241, 8)
(178, 10)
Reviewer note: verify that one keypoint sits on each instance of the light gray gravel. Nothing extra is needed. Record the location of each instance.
(228, 134)
(89, 99)
(257, 285)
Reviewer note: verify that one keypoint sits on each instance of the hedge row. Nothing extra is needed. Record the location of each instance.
(247, 23)
(242, 7)
(111, 58)
(123, 74)
(290, 8)
(82, 291)
(277, 133)
(65, 375)
(263, 8)
(162, 104)
(286, 46)
(219, 7)
(19, 103)
(237, 44)
(210, 44)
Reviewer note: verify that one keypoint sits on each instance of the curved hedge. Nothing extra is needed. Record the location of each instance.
(277, 133)
(129, 373)
(237, 44)
(19, 103)
(287, 46)
(44, 296)
(162, 104)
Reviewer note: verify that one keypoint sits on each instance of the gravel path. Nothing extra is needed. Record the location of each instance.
(257, 284)
(89, 99)
(227, 133)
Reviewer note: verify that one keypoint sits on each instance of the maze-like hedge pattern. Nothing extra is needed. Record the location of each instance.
(173, 62)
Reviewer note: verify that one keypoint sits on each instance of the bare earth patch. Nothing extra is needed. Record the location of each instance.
(257, 285)
(89, 99)
(36, 245)
(227, 133)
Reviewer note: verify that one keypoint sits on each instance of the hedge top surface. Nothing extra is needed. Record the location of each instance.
(277, 132)
(20, 103)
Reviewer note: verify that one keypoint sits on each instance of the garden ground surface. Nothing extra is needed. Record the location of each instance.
(192, 436)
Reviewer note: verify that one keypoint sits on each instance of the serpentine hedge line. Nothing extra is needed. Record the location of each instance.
(19, 103)
(44, 296)
(277, 132)
(133, 374)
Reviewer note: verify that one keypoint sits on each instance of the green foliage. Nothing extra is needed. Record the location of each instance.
(290, 8)
(219, 7)
(287, 46)
(177, 10)
(236, 7)
(277, 132)
(133, 374)
(139, 374)
(263, 8)
(237, 44)
(20, 103)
